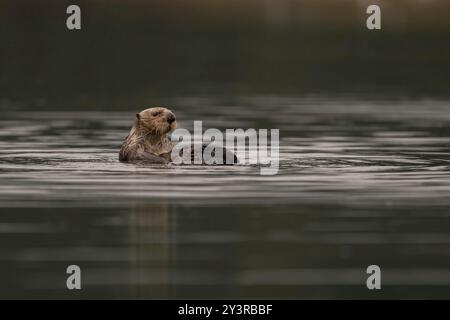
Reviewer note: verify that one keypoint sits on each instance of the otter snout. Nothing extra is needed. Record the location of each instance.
(171, 118)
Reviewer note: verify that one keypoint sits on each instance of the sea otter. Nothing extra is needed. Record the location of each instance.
(148, 139)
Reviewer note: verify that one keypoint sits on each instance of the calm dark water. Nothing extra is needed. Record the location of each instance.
(360, 183)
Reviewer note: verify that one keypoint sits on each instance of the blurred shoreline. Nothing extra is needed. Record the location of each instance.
(145, 52)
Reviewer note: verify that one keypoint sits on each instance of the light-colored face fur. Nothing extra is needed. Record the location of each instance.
(157, 121)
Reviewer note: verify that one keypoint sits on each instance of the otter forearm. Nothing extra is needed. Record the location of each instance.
(166, 156)
(148, 157)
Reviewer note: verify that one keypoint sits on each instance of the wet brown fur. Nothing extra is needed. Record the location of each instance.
(148, 138)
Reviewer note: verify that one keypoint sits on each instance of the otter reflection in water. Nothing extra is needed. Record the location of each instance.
(149, 139)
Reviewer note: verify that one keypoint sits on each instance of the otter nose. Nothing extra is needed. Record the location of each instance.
(171, 118)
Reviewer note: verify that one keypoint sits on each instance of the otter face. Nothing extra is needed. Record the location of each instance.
(157, 120)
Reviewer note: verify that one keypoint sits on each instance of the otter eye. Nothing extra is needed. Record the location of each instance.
(156, 113)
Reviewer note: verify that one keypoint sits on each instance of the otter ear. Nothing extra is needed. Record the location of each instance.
(138, 116)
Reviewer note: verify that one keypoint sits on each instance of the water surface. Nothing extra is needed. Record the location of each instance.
(359, 183)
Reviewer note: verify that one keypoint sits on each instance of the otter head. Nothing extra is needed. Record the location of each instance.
(158, 121)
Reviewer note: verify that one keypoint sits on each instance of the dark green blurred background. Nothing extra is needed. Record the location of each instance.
(131, 54)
